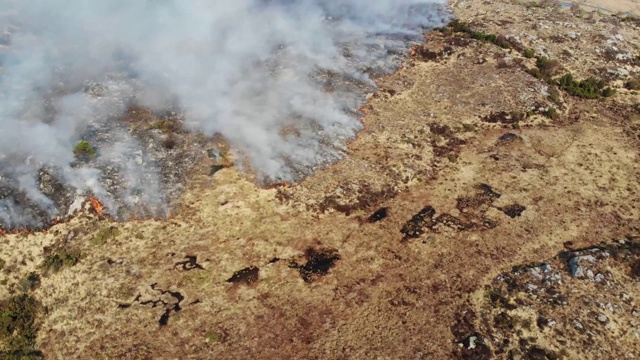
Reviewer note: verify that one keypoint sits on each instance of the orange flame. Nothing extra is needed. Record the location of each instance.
(97, 205)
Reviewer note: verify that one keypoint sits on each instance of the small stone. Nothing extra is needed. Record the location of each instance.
(625, 297)
(590, 274)
(603, 318)
(577, 325)
(472, 342)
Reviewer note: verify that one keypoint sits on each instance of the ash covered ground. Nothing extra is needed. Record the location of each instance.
(118, 101)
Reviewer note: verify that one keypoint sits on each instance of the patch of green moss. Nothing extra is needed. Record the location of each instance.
(529, 53)
(83, 149)
(59, 259)
(105, 234)
(18, 328)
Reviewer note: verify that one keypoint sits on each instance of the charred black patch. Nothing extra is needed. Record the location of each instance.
(189, 264)
(379, 215)
(489, 224)
(469, 343)
(449, 148)
(458, 41)
(635, 269)
(514, 210)
(452, 222)
(319, 262)
(488, 190)
(169, 306)
(537, 353)
(364, 198)
(214, 169)
(503, 117)
(415, 227)
(466, 203)
(509, 138)
(245, 276)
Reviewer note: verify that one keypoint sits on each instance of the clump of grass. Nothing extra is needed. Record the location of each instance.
(83, 149)
(457, 26)
(2, 263)
(167, 126)
(551, 113)
(105, 234)
(59, 259)
(29, 282)
(633, 84)
(529, 53)
(546, 68)
(590, 88)
(18, 327)
(554, 95)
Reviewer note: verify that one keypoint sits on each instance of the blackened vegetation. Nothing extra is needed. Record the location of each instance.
(503, 117)
(415, 227)
(245, 276)
(513, 210)
(190, 264)
(214, 169)
(469, 344)
(444, 141)
(379, 215)
(542, 288)
(424, 53)
(319, 262)
(509, 138)
(169, 306)
(488, 191)
(472, 210)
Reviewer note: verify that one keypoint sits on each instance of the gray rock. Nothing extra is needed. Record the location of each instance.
(472, 342)
(577, 325)
(575, 268)
(603, 318)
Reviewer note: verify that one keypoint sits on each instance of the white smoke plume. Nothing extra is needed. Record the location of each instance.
(242, 69)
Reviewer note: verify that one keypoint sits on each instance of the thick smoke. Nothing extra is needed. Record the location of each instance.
(278, 79)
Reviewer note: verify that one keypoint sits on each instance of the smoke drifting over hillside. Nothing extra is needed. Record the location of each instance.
(279, 80)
